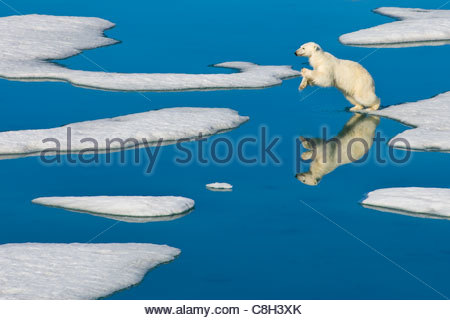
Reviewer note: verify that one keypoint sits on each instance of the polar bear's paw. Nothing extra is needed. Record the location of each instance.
(374, 107)
(303, 84)
(307, 155)
(357, 107)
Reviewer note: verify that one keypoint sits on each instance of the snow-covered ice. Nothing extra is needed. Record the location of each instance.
(421, 202)
(415, 27)
(430, 119)
(75, 271)
(144, 129)
(28, 43)
(124, 208)
(219, 186)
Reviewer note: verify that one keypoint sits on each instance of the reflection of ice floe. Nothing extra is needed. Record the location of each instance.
(75, 271)
(139, 219)
(405, 44)
(419, 202)
(219, 186)
(27, 43)
(416, 27)
(350, 145)
(431, 119)
(141, 129)
(124, 208)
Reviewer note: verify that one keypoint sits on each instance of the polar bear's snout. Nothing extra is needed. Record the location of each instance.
(307, 178)
(299, 52)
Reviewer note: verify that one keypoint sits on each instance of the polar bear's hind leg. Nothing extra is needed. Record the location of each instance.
(376, 105)
(368, 100)
(357, 105)
(373, 103)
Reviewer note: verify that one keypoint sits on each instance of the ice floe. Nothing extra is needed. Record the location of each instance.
(430, 119)
(29, 42)
(219, 186)
(75, 271)
(124, 208)
(143, 129)
(416, 27)
(420, 202)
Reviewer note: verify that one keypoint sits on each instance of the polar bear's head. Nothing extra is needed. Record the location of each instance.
(308, 49)
(308, 178)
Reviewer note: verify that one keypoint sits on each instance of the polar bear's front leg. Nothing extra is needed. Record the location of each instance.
(305, 79)
(305, 73)
(303, 84)
(307, 155)
(318, 78)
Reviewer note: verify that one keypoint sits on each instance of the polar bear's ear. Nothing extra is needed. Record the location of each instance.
(316, 47)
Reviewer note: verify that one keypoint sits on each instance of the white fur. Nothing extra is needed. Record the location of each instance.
(351, 144)
(349, 77)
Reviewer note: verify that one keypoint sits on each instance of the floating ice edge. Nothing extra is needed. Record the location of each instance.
(76, 271)
(430, 119)
(28, 43)
(117, 207)
(146, 128)
(219, 185)
(415, 27)
(434, 202)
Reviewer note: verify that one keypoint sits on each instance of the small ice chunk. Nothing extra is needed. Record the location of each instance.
(421, 202)
(430, 119)
(416, 27)
(140, 129)
(75, 271)
(124, 208)
(29, 43)
(219, 186)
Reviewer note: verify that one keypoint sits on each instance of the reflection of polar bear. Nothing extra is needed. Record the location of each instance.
(348, 76)
(350, 145)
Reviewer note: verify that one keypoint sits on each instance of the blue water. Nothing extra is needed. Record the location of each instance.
(260, 241)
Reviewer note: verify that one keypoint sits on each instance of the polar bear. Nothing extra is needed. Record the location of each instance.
(349, 77)
(351, 144)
